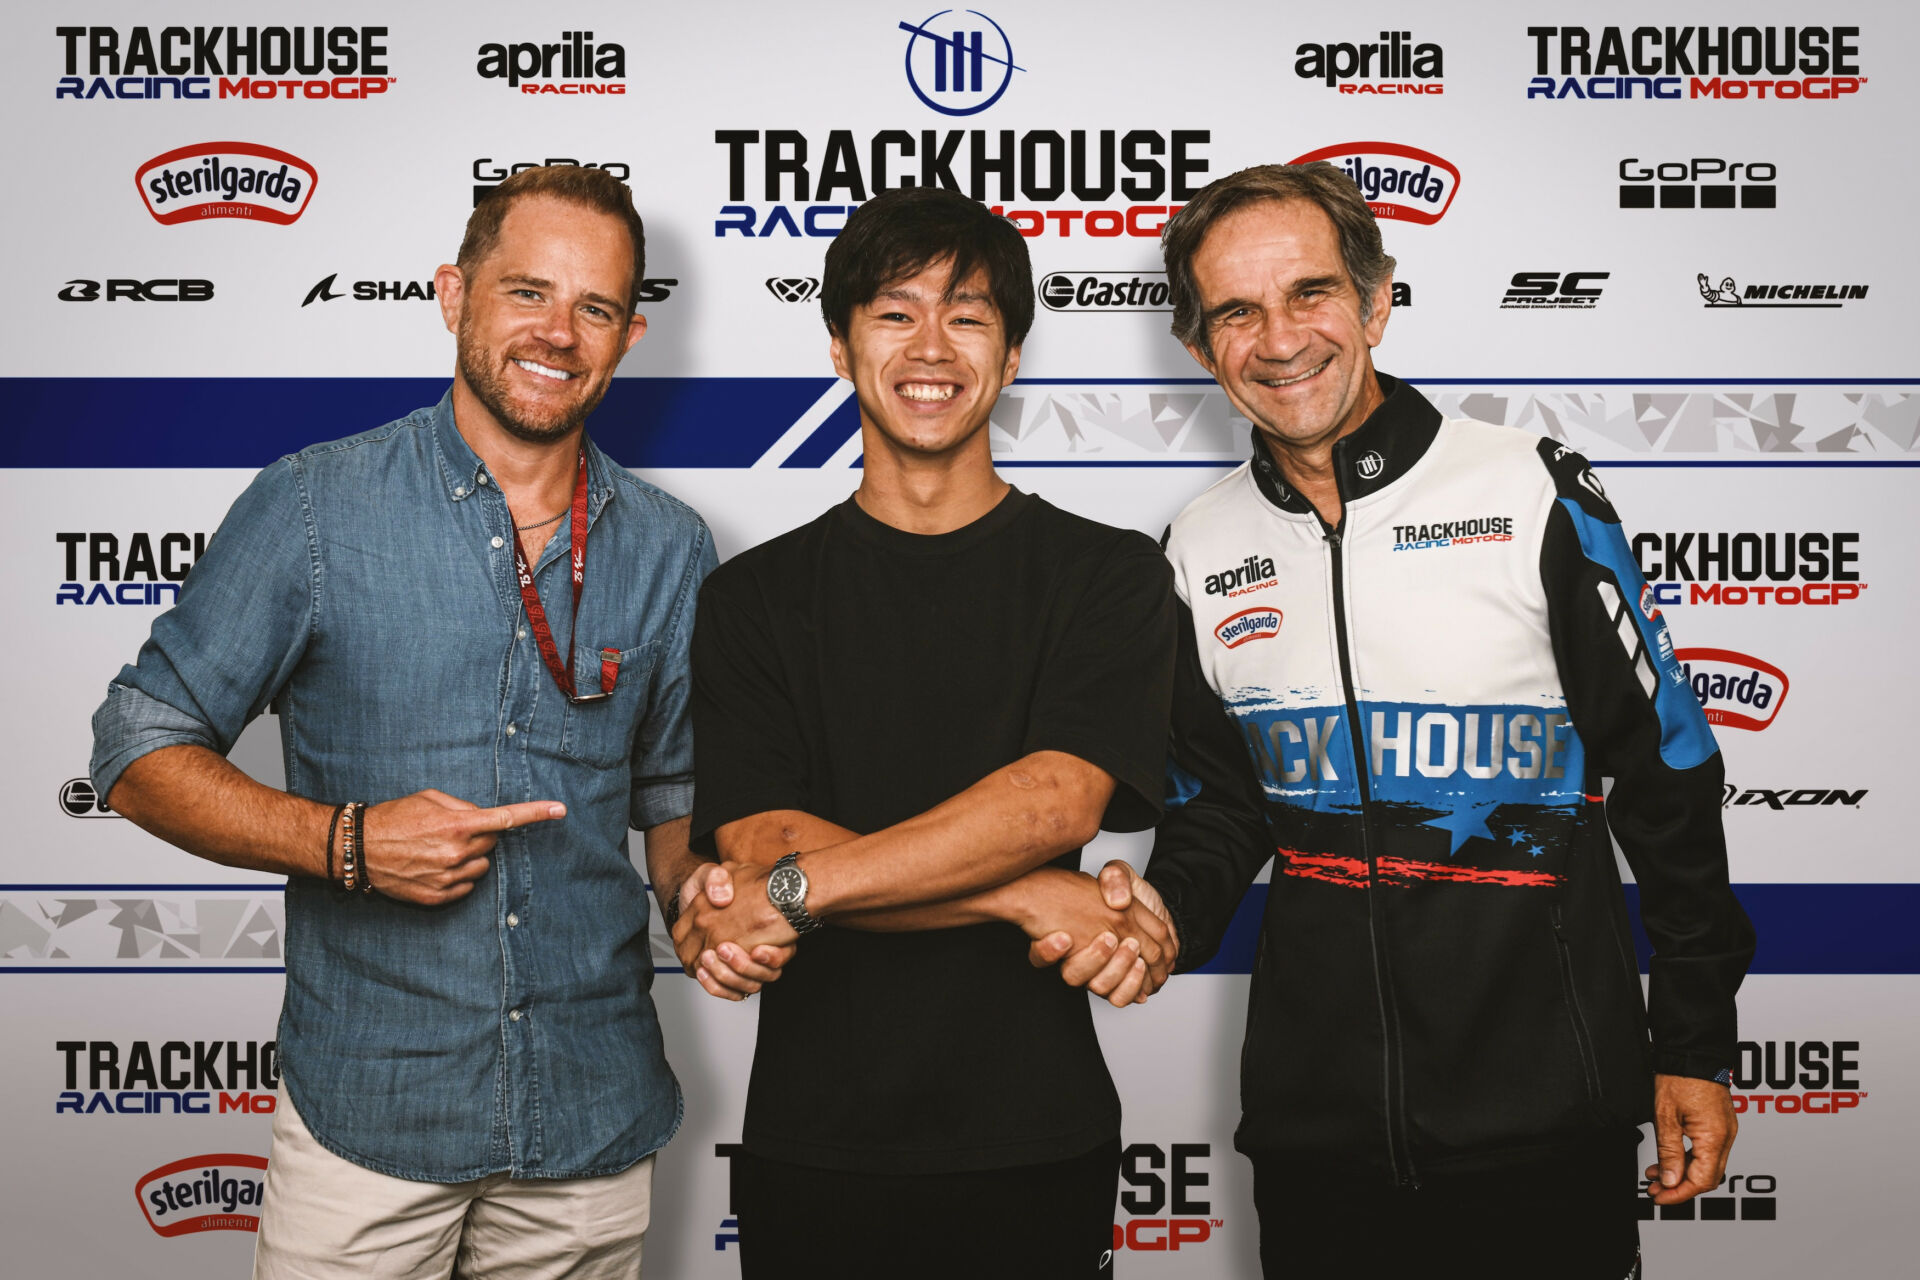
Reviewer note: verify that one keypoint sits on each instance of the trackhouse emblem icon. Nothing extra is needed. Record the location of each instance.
(1371, 464)
(959, 61)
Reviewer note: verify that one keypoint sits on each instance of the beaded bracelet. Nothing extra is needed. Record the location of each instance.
(349, 854)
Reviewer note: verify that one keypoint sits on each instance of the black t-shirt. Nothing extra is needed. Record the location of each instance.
(864, 674)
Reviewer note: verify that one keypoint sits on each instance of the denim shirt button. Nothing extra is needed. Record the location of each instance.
(460, 491)
(513, 1015)
(498, 542)
(481, 478)
(513, 921)
(511, 729)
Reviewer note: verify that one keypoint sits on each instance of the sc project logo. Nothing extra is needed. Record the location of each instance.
(1397, 181)
(959, 61)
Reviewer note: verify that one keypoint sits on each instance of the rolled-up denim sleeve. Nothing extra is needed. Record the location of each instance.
(663, 749)
(215, 660)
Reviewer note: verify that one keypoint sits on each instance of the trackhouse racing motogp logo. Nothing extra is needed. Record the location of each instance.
(1615, 64)
(1750, 568)
(1097, 183)
(225, 180)
(339, 63)
(203, 1193)
(1397, 181)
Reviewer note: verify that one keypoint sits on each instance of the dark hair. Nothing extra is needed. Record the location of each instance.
(899, 233)
(1319, 184)
(594, 189)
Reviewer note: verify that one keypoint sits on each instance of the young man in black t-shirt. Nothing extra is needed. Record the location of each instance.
(909, 715)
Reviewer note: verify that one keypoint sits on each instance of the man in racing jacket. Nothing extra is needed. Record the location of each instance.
(1430, 642)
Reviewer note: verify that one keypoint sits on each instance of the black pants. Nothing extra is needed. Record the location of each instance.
(1040, 1221)
(1571, 1217)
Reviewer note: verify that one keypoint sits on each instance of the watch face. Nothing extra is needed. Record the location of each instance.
(786, 885)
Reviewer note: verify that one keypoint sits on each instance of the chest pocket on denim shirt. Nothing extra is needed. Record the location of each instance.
(601, 733)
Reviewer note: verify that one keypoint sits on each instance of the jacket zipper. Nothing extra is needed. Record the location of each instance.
(1582, 1038)
(1399, 1158)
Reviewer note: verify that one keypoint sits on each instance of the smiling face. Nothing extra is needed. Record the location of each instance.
(1283, 320)
(542, 320)
(927, 369)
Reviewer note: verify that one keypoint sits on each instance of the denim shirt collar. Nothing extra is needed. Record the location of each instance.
(461, 468)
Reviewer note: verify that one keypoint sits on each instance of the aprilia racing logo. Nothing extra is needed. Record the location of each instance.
(249, 62)
(1398, 181)
(1396, 65)
(1695, 62)
(1722, 568)
(1734, 690)
(1255, 573)
(225, 180)
(1452, 533)
(570, 67)
(1249, 624)
(204, 1193)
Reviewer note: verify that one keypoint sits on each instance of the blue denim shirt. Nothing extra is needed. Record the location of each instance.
(365, 588)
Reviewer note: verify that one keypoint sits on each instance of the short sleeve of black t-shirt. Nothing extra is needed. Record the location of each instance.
(864, 674)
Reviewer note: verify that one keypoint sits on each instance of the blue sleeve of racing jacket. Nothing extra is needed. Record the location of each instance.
(1644, 729)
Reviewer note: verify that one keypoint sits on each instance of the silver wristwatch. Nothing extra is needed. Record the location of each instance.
(787, 891)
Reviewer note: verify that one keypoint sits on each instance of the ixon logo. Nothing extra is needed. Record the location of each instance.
(204, 1193)
(225, 180)
(1734, 689)
(1397, 181)
(959, 61)
(794, 288)
(1248, 624)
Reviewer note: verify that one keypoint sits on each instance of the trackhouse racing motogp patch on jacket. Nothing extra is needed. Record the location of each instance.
(1421, 705)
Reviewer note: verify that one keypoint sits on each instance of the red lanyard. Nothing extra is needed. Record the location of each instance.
(537, 614)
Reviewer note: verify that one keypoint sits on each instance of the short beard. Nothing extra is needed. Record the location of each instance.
(489, 388)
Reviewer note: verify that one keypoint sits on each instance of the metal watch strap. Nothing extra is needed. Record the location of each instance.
(795, 912)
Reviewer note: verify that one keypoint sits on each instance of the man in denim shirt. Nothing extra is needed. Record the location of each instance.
(472, 1066)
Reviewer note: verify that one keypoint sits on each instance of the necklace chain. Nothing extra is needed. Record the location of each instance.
(522, 528)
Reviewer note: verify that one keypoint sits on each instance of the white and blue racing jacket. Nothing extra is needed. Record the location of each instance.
(1413, 714)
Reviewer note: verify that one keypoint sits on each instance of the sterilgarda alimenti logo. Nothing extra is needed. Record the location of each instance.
(1735, 690)
(203, 1193)
(1397, 181)
(226, 180)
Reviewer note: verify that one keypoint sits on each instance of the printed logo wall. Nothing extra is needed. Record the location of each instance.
(1622, 234)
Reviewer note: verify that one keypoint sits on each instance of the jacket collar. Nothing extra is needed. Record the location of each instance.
(1394, 437)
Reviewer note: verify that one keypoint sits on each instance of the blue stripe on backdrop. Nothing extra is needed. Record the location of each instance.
(248, 422)
(1803, 928)
(644, 422)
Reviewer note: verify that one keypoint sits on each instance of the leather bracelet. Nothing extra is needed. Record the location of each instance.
(333, 826)
(360, 839)
(349, 853)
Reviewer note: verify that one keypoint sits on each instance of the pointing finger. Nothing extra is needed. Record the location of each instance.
(508, 816)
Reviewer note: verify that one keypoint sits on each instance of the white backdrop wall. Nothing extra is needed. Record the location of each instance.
(158, 351)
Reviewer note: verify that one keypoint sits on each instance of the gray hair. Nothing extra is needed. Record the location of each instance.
(1318, 183)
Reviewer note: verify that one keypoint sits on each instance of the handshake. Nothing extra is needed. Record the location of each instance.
(1110, 934)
